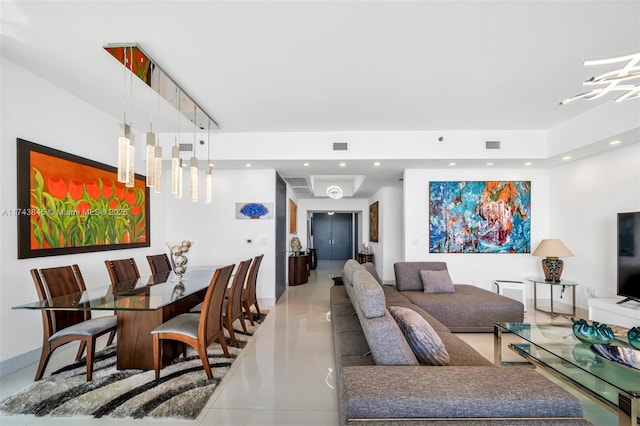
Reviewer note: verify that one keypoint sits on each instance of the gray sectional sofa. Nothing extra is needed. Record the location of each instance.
(381, 382)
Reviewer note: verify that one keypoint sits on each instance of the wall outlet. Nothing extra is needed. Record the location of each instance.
(249, 241)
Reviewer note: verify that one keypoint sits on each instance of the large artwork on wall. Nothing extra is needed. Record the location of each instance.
(374, 226)
(69, 204)
(480, 217)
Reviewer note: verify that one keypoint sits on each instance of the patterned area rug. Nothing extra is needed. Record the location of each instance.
(182, 392)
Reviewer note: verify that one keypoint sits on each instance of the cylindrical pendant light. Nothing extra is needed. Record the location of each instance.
(175, 169)
(157, 187)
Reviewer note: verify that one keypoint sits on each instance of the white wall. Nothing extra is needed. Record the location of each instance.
(584, 198)
(218, 237)
(477, 269)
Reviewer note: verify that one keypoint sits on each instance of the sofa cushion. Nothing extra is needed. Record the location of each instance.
(408, 273)
(436, 281)
(369, 295)
(348, 269)
(387, 343)
(422, 338)
(371, 268)
(470, 309)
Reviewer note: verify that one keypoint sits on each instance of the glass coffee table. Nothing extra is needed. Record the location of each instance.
(555, 349)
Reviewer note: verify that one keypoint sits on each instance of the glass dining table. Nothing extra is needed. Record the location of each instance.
(140, 306)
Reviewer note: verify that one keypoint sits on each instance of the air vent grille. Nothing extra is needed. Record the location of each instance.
(340, 146)
(492, 144)
(186, 147)
(297, 182)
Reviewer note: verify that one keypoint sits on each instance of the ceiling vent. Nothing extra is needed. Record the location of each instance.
(297, 182)
(340, 146)
(186, 147)
(492, 144)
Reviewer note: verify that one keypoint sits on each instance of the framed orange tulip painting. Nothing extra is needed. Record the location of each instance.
(69, 204)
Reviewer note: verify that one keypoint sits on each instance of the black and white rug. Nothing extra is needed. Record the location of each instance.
(182, 392)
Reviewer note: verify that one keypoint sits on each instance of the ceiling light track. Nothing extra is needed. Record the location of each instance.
(147, 70)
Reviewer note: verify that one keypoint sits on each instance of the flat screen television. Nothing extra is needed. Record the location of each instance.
(629, 256)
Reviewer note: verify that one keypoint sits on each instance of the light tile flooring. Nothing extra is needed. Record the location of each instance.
(284, 376)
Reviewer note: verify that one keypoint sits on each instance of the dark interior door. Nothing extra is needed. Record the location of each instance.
(332, 235)
(281, 236)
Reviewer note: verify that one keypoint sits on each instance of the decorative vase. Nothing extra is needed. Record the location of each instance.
(595, 333)
(178, 259)
(634, 337)
(295, 245)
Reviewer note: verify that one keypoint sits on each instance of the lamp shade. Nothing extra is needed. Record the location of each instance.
(552, 247)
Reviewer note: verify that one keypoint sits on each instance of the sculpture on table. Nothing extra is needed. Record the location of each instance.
(178, 259)
(296, 246)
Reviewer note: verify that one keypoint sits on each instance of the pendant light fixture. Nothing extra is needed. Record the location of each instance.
(208, 183)
(125, 130)
(144, 68)
(194, 163)
(131, 149)
(157, 158)
(179, 191)
(151, 146)
(175, 152)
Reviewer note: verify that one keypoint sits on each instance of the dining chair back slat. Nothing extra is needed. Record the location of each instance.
(122, 270)
(233, 308)
(249, 297)
(211, 316)
(159, 263)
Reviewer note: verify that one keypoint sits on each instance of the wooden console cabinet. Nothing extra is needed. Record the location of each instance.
(298, 269)
(365, 257)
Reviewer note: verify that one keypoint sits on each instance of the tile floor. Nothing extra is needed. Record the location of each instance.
(283, 377)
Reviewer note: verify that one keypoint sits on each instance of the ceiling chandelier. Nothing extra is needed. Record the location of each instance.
(142, 66)
(617, 80)
(334, 192)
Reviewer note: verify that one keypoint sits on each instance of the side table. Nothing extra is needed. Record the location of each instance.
(365, 257)
(563, 284)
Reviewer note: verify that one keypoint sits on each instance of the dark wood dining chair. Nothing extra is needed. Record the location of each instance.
(249, 297)
(122, 270)
(159, 263)
(232, 307)
(197, 330)
(65, 326)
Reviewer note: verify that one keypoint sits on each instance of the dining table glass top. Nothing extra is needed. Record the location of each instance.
(143, 294)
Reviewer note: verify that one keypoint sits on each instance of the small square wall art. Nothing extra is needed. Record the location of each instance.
(480, 217)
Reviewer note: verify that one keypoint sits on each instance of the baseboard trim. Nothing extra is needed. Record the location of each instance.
(18, 362)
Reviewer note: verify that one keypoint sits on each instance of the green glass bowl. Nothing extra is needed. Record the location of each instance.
(592, 333)
(634, 337)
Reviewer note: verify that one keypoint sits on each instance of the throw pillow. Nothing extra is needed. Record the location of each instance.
(437, 281)
(422, 338)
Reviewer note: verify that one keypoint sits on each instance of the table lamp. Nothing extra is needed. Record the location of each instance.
(551, 249)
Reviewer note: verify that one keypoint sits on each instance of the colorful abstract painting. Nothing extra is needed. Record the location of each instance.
(480, 217)
(69, 204)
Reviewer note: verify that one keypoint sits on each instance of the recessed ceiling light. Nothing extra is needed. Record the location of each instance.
(305, 164)
(566, 157)
(616, 142)
(489, 164)
(377, 164)
(343, 164)
(528, 163)
(452, 164)
(248, 165)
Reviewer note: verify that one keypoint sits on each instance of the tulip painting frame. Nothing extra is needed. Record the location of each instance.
(68, 204)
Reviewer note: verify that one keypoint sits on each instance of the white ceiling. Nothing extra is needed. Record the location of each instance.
(312, 66)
